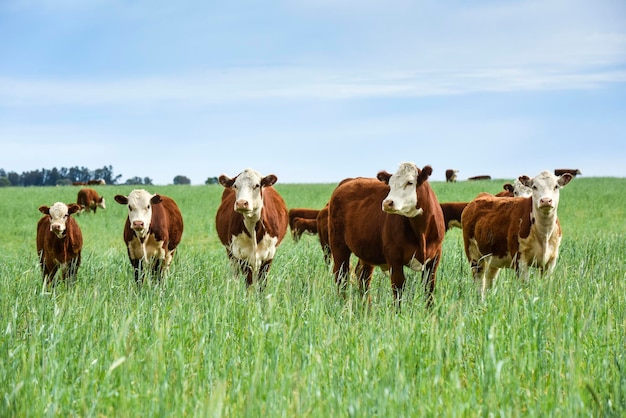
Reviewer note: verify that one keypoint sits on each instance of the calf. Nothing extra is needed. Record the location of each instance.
(251, 222)
(59, 242)
(302, 213)
(391, 222)
(153, 230)
(89, 200)
(517, 189)
(514, 232)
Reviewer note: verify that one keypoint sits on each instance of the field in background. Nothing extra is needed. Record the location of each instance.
(200, 344)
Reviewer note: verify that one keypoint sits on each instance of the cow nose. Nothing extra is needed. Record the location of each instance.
(55, 227)
(137, 224)
(545, 201)
(387, 204)
(241, 204)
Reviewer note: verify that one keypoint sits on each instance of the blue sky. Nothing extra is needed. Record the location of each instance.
(313, 90)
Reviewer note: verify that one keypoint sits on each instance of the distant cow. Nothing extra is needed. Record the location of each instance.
(302, 225)
(89, 200)
(251, 222)
(452, 214)
(302, 213)
(573, 171)
(391, 222)
(153, 230)
(517, 189)
(514, 232)
(79, 183)
(95, 182)
(483, 177)
(59, 242)
(451, 176)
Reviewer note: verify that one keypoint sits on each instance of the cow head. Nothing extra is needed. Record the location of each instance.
(248, 186)
(101, 203)
(59, 214)
(545, 189)
(139, 204)
(403, 189)
(521, 190)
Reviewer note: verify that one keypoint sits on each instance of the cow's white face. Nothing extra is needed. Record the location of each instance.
(139, 203)
(248, 186)
(402, 197)
(521, 190)
(545, 190)
(59, 214)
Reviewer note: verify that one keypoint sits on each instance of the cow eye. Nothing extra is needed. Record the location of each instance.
(409, 184)
(257, 186)
(148, 208)
(130, 207)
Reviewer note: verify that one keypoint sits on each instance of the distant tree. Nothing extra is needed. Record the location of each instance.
(147, 181)
(4, 181)
(211, 180)
(63, 182)
(106, 173)
(133, 181)
(14, 178)
(181, 180)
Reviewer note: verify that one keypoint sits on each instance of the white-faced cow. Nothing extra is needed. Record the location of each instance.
(451, 175)
(300, 227)
(514, 232)
(517, 189)
(391, 222)
(153, 230)
(251, 222)
(59, 242)
(89, 200)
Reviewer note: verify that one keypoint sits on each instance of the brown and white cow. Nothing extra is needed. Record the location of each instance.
(517, 189)
(391, 222)
(100, 182)
(302, 227)
(152, 231)
(251, 222)
(514, 232)
(89, 200)
(451, 175)
(59, 242)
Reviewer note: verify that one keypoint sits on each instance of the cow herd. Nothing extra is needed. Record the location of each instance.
(391, 221)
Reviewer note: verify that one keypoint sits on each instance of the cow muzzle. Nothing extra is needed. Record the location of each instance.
(242, 206)
(57, 230)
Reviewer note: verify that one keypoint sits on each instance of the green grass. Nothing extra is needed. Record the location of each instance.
(200, 344)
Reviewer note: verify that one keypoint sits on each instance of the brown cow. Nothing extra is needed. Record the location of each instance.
(482, 177)
(251, 207)
(302, 225)
(322, 233)
(96, 182)
(514, 232)
(451, 176)
(573, 171)
(391, 222)
(452, 213)
(59, 242)
(89, 200)
(303, 213)
(153, 230)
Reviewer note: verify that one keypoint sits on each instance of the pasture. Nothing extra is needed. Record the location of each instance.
(200, 344)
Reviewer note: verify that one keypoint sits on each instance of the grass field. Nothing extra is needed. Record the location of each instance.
(200, 344)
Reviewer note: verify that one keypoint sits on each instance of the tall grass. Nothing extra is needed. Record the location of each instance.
(200, 344)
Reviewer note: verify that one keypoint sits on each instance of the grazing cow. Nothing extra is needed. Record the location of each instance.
(89, 200)
(79, 183)
(451, 176)
(153, 230)
(302, 225)
(96, 182)
(483, 177)
(452, 214)
(391, 222)
(573, 171)
(59, 242)
(302, 213)
(517, 189)
(251, 222)
(322, 233)
(514, 232)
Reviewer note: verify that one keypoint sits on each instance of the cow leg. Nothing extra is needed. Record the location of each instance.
(50, 272)
(397, 283)
(341, 265)
(478, 272)
(72, 271)
(137, 270)
(429, 278)
(363, 272)
(265, 267)
(158, 269)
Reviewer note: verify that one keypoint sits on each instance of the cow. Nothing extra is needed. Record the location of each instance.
(517, 189)
(59, 242)
(514, 232)
(302, 225)
(392, 221)
(251, 222)
(451, 176)
(152, 232)
(452, 214)
(303, 213)
(96, 182)
(481, 177)
(79, 183)
(573, 171)
(89, 200)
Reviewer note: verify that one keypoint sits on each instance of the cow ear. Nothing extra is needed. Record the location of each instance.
(73, 208)
(45, 210)
(155, 199)
(526, 181)
(269, 180)
(425, 173)
(226, 181)
(383, 176)
(508, 187)
(564, 179)
(121, 199)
